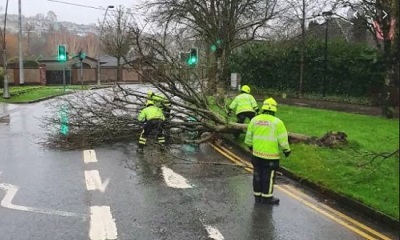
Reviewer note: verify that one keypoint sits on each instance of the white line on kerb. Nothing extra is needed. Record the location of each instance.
(11, 191)
(174, 180)
(93, 181)
(89, 156)
(214, 233)
(102, 224)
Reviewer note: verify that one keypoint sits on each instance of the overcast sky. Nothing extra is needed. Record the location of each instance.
(66, 12)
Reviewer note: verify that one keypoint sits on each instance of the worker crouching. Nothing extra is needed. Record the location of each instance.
(153, 119)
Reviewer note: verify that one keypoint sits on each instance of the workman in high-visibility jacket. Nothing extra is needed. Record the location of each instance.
(244, 105)
(161, 102)
(265, 134)
(153, 118)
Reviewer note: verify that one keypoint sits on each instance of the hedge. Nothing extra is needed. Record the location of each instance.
(352, 69)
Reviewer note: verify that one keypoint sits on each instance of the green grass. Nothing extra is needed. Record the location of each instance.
(346, 170)
(25, 94)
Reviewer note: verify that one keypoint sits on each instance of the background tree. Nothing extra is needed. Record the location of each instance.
(90, 44)
(300, 13)
(380, 17)
(220, 25)
(29, 28)
(116, 35)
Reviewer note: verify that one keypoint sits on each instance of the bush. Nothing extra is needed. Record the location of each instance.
(353, 70)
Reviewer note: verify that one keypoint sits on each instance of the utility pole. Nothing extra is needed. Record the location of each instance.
(21, 60)
(6, 90)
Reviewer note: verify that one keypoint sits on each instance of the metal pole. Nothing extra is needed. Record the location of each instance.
(325, 59)
(64, 75)
(6, 90)
(21, 60)
(81, 73)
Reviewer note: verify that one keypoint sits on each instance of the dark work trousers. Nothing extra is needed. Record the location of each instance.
(241, 117)
(264, 176)
(153, 126)
(167, 112)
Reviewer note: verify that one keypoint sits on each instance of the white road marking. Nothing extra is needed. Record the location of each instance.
(89, 156)
(93, 181)
(214, 233)
(11, 191)
(174, 180)
(102, 225)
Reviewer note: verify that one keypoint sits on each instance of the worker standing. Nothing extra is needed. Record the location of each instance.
(161, 102)
(153, 119)
(265, 134)
(244, 105)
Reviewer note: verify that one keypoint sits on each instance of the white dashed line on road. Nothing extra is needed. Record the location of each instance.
(214, 233)
(89, 156)
(93, 181)
(102, 224)
(173, 179)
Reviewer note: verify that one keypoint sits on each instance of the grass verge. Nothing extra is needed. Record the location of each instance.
(26, 94)
(348, 170)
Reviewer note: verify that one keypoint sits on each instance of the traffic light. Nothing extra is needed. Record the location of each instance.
(193, 56)
(216, 45)
(62, 53)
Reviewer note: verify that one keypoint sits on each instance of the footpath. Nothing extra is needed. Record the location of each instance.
(329, 105)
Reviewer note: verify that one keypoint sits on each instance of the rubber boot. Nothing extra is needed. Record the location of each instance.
(140, 149)
(257, 199)
(270, 200)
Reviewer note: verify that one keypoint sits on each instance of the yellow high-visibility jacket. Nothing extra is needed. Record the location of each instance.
(243, 102)
(160, 101)
(149, 113)
(265, 133)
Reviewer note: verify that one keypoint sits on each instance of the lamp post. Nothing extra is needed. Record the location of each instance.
(6, 90)
(327, 16)
(20, 53)
(98, 46)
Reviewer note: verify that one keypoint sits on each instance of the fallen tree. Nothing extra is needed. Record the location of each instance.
(87, 119)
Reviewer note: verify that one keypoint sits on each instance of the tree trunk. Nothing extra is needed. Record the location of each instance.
(118, 69)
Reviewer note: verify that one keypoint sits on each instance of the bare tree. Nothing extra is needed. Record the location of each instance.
(297, 16)
(219, 26)
(29, 28)
(116, 40)
(90, 44)
(380, 17)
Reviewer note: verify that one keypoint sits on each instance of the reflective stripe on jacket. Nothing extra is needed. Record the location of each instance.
(243, 103)
(149, 113)
(265, 133)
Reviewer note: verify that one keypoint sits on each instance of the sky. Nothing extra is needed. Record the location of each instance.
(66, 12)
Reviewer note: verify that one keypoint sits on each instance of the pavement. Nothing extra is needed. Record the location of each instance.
(110, 192)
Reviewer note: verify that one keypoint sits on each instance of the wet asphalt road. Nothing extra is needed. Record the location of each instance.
(51, 184)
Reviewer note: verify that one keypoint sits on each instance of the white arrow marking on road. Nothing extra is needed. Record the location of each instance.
(385, 14)
(355, 14)
(102, 224)
(214, 233)
(93, 181)
(11, 191)
(89, 156)
(174, 180)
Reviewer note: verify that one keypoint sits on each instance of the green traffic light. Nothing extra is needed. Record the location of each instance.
(62, 53)
(192, 60)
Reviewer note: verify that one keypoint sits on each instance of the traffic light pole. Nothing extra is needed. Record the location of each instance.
(64, 75)
(81, 74)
